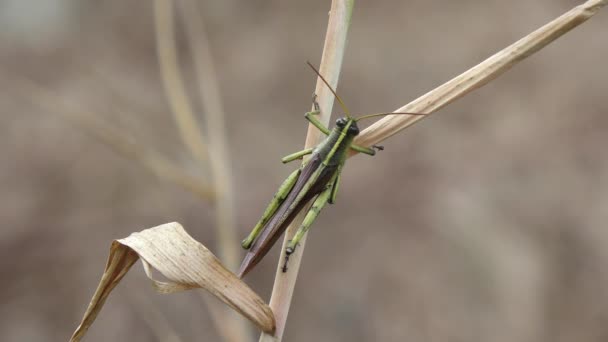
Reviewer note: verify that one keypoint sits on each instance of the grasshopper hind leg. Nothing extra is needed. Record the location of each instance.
(278, 198)
(312, 214)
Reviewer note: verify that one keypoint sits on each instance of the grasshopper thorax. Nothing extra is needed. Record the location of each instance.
(348, 124)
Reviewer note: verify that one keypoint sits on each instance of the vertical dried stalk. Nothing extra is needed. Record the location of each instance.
(230, 326)
(211, 103)
(153, 317)
(331, 63)
(173, 82)
(234, 326)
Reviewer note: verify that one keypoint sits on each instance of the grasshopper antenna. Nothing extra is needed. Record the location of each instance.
(346, 111)
(389, 113)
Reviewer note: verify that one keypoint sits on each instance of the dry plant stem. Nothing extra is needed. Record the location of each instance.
(331, 63)
(173, 82)
(234, 328)
(192, 137)
(154, 318)
(216, 131)
(479, 75)
(153, 162)
(225, 321)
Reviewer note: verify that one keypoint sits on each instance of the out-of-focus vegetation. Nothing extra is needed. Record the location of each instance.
(498, 234)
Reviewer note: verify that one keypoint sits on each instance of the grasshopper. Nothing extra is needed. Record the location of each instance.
(317, 178)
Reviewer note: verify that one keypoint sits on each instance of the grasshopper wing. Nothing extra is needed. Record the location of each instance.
(312, 180)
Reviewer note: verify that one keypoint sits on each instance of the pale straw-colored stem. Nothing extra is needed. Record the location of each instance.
(153, 317)
(211, 104)
(151, 161)
(331, 63)
(173, 82)
(234, 326)
(230, 326)
(479, 75)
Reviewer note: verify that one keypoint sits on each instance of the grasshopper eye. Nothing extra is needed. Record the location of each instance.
(341, 122)
(353, 129)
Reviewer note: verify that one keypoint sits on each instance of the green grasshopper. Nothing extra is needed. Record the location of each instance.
(317, 178)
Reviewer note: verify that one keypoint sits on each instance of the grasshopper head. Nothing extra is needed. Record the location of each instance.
(352, 129)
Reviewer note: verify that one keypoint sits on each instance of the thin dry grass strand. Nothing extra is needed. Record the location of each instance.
(230, 331)
(155, 163)
(173, 82)
(231, 327)
(154, 318)
(331, 63)
(479, 75)
(211, 103)
(185, 263)
(151, 161)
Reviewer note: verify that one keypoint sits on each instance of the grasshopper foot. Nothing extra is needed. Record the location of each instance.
(284, 269)
(288, 251)
(291, 247)
(315, 104)
(378, 147)
(246, 244)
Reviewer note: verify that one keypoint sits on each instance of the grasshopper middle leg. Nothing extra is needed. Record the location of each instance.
(297, 155)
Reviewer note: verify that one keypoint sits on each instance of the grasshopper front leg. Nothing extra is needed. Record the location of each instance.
(276, 201)
(311, 116)
(367, 150)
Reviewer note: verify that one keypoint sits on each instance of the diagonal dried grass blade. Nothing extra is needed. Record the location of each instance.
(186, 263)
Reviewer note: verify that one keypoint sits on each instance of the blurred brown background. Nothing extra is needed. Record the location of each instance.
(485, 222)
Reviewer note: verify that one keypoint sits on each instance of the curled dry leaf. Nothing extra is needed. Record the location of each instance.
(186, 264)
